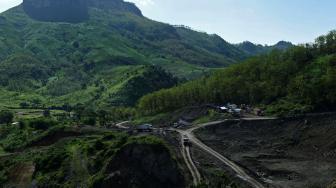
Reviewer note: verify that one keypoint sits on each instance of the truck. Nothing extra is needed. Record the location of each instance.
(186, 141)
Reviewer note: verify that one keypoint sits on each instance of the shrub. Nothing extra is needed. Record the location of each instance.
(6, 117)
(42, 123)
(90, 121)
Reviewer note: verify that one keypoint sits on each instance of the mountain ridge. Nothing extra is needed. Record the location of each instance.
(58, 62)
(258, 49)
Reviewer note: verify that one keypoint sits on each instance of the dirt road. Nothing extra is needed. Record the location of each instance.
(237, 169)
(190, 163)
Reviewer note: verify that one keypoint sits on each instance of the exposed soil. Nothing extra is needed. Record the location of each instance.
(54, 137)
(142, 165)
(21, 175)
(285, 153)
(209, 166)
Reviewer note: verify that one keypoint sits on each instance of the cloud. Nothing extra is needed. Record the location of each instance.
(143, 2)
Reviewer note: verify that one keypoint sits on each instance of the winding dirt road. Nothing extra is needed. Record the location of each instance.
(193, 169)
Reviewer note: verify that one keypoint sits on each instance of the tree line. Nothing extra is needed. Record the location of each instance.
(298, 80)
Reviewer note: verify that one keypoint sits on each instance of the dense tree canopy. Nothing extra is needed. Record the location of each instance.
(6, 117)
(300, 79)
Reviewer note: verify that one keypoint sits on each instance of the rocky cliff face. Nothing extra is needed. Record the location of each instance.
(57, 10)
(117, 5)
(72, 11)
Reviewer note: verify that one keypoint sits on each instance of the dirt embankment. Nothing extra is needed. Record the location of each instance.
(174, 143)
(142, 165)
(285, 153)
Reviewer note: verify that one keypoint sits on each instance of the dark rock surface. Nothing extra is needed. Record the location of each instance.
(73, 11)
(116, 5)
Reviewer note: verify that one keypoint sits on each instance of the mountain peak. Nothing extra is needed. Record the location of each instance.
(283, 45)
(73, 11)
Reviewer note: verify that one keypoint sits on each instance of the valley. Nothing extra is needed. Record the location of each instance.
(95, 94)
(245, 152)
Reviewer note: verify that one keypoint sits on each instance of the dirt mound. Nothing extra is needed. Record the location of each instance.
(143, 166)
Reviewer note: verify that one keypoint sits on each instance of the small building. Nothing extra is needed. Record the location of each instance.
(145, 128)
(232, 106)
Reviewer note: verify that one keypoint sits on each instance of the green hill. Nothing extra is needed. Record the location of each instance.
(91, 51)
(60, 56)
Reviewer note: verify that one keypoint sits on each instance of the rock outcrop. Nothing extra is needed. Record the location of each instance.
(73, 11)
(116, 5)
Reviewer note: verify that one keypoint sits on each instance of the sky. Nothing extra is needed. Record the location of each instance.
(259, 21)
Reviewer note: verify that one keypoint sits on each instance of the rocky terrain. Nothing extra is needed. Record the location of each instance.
(297, 152)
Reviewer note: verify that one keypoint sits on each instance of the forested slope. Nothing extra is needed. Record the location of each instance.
(298, 80)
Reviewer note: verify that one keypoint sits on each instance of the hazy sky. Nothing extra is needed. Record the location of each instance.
(260, 21)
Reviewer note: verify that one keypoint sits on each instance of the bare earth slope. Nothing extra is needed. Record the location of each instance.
(285, 153)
